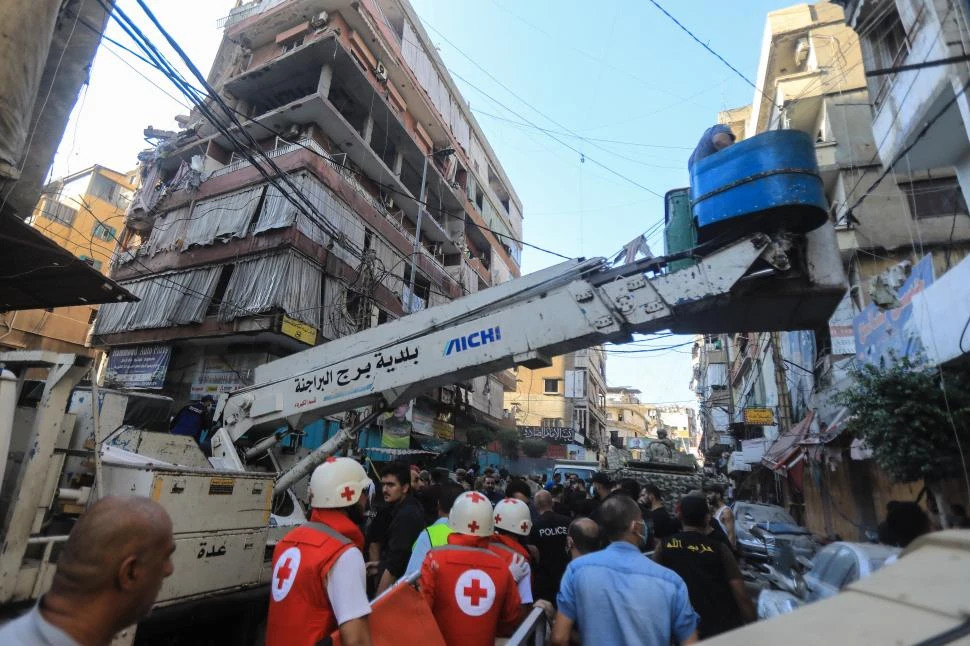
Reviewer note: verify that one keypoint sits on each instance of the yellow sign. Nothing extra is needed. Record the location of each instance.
(759, 416)
(299, 330)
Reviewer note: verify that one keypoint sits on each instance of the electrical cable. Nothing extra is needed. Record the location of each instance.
(716, 55)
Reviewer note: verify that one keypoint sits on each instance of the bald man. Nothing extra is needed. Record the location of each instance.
(108, 575)
(549, 537)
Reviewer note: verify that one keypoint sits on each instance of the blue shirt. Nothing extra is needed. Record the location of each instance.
(421, 548)
(31, 629)
(705, 147)
(618, 596)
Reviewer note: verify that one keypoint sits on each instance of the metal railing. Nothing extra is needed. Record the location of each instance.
(532, 631)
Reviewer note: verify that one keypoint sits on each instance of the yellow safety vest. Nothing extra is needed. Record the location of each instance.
(438, 534)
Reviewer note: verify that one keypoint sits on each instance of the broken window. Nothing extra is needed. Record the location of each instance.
(935, 197)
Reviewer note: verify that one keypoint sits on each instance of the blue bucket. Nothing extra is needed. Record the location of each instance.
(767, 183)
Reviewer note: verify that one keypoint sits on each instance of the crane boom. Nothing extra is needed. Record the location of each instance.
(573, 305)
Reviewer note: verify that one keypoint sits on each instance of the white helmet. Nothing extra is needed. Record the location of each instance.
(471, 514)
(336, 483)
(513, 515)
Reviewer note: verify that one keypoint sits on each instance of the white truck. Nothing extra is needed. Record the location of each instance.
(228, 510)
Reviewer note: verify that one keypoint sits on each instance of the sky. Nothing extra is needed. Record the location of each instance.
(592, 110)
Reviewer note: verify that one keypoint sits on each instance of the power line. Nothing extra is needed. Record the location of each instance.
(708, 48)
(583, 137)
(536, 110)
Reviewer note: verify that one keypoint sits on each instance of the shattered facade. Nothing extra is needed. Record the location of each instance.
(352, 103)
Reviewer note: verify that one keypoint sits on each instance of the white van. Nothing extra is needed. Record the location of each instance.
(583, 470)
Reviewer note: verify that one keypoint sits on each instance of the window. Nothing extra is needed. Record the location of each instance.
(551, 422)
(550, 386)
(105, 189)
(58, 212)
(104, 232)
(933, 198)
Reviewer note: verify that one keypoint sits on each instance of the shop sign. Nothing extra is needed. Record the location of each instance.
(759, 416)
(299, 330)
(141, 367)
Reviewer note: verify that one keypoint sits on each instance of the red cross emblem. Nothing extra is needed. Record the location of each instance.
(473, 526)
(331, 459)
(476, 497)
(498, 518)
(283, 574)
(347, 493)
(524, 526)
(475, 592)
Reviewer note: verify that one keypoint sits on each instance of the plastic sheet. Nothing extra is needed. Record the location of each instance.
(176, 298)
(287, 281)
(226, 216)
(169, 231)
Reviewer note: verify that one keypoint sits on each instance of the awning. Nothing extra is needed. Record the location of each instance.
(36, 273)
(787, 450)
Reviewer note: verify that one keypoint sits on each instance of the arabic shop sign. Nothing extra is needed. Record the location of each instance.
(141, 367)
(298, 330)
(555, 434)
(759, 416)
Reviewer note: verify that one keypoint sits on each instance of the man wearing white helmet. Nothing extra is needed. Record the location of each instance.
(318, 583)
(470, 590)
(513, 518)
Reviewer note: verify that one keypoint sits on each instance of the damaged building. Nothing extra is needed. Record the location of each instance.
(353, 104)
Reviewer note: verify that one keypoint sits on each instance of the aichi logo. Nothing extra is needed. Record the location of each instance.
(473, 340)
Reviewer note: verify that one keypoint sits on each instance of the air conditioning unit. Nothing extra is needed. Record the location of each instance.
(380, 72)
(319, 20)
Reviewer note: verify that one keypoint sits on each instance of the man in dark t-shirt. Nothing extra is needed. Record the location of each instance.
(660, 522)
(549, 536)
(709, 569)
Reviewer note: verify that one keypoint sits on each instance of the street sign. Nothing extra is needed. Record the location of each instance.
(759, 416)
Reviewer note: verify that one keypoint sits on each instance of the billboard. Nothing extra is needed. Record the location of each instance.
(552, 434)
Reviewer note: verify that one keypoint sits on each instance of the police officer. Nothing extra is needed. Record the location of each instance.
(512, 519)
(318, 583)
(471, 592)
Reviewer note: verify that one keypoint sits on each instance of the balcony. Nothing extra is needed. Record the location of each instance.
(294, 90)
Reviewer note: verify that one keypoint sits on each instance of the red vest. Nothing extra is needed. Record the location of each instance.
(506, 547)
(471, 592)
(300, 613)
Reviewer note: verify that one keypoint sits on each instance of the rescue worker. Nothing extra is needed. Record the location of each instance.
(512, 519)
(470, 590)
(318, 583)
(193, 419)
(438, 532)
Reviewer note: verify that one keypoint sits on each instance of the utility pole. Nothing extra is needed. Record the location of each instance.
(784, 397)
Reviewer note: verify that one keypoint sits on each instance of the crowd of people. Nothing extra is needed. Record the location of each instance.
(606, 561)
(486, 547)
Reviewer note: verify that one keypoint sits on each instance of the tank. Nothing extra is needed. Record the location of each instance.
(680, 232)
(767, 183)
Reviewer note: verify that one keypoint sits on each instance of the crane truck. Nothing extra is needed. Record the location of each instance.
(67, 446)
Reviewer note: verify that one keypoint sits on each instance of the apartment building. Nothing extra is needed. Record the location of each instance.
(632, 424)
(901, 222)
(83, 213)
(563, 404)
(391, 200)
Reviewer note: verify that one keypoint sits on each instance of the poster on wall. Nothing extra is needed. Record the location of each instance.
(840, 327)
(397, 428)
(141, 367)
(881, 335)
(422, 419)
